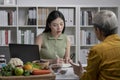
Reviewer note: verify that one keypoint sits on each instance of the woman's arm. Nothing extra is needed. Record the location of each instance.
(67, 52)
(38, 41)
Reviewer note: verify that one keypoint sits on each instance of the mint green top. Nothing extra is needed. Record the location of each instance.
(51, 46)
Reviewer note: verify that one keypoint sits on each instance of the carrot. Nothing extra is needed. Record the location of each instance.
(40, 72)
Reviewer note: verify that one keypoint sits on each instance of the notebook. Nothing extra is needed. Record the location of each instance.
(26, 52)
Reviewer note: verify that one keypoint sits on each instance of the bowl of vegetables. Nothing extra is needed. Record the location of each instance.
(44, 64)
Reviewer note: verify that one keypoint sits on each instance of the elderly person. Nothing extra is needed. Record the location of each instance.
(103, 58)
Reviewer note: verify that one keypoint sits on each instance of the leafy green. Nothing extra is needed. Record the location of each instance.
(26, 73)
(35, 65)
(7, 70)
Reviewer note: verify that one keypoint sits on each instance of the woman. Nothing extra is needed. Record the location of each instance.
(53, 43)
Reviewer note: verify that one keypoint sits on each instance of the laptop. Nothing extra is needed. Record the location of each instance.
(26, 52)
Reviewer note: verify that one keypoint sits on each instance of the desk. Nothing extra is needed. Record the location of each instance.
(68, 76)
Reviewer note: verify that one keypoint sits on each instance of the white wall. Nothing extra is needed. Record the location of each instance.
(68, 2)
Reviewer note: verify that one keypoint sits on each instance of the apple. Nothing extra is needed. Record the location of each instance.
(19, 71)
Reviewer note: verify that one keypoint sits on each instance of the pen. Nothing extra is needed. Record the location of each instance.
(57, 56)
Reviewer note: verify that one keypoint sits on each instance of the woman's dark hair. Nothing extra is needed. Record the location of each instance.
(52, 16)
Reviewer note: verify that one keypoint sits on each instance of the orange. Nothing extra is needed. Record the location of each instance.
(28, 67)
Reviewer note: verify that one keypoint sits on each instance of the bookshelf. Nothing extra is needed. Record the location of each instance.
(24, 23)
(21, 24)
(87, 36)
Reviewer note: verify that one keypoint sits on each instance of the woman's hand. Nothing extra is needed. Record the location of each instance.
(78, 69)
(66, 60)
(60, 60)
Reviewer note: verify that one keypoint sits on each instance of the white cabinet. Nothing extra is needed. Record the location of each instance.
(87, 37)
(21, 24)
(8, 25)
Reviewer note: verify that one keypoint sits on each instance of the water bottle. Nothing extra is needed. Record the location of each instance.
(2, 61)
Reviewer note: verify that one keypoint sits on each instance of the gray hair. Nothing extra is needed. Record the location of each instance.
(106, 21)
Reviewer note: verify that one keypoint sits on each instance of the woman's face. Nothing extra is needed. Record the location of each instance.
(57, 26)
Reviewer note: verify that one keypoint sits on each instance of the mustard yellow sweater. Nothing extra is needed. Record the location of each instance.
(104, 60)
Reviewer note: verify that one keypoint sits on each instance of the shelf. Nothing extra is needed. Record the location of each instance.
(78, 23)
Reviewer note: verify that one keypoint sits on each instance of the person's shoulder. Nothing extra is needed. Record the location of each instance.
(39, 36)
(98, 47)
(43, 34)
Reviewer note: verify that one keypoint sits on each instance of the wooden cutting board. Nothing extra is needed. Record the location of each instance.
(50, 76)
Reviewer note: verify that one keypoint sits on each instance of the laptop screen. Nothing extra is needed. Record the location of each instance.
(26, 52)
